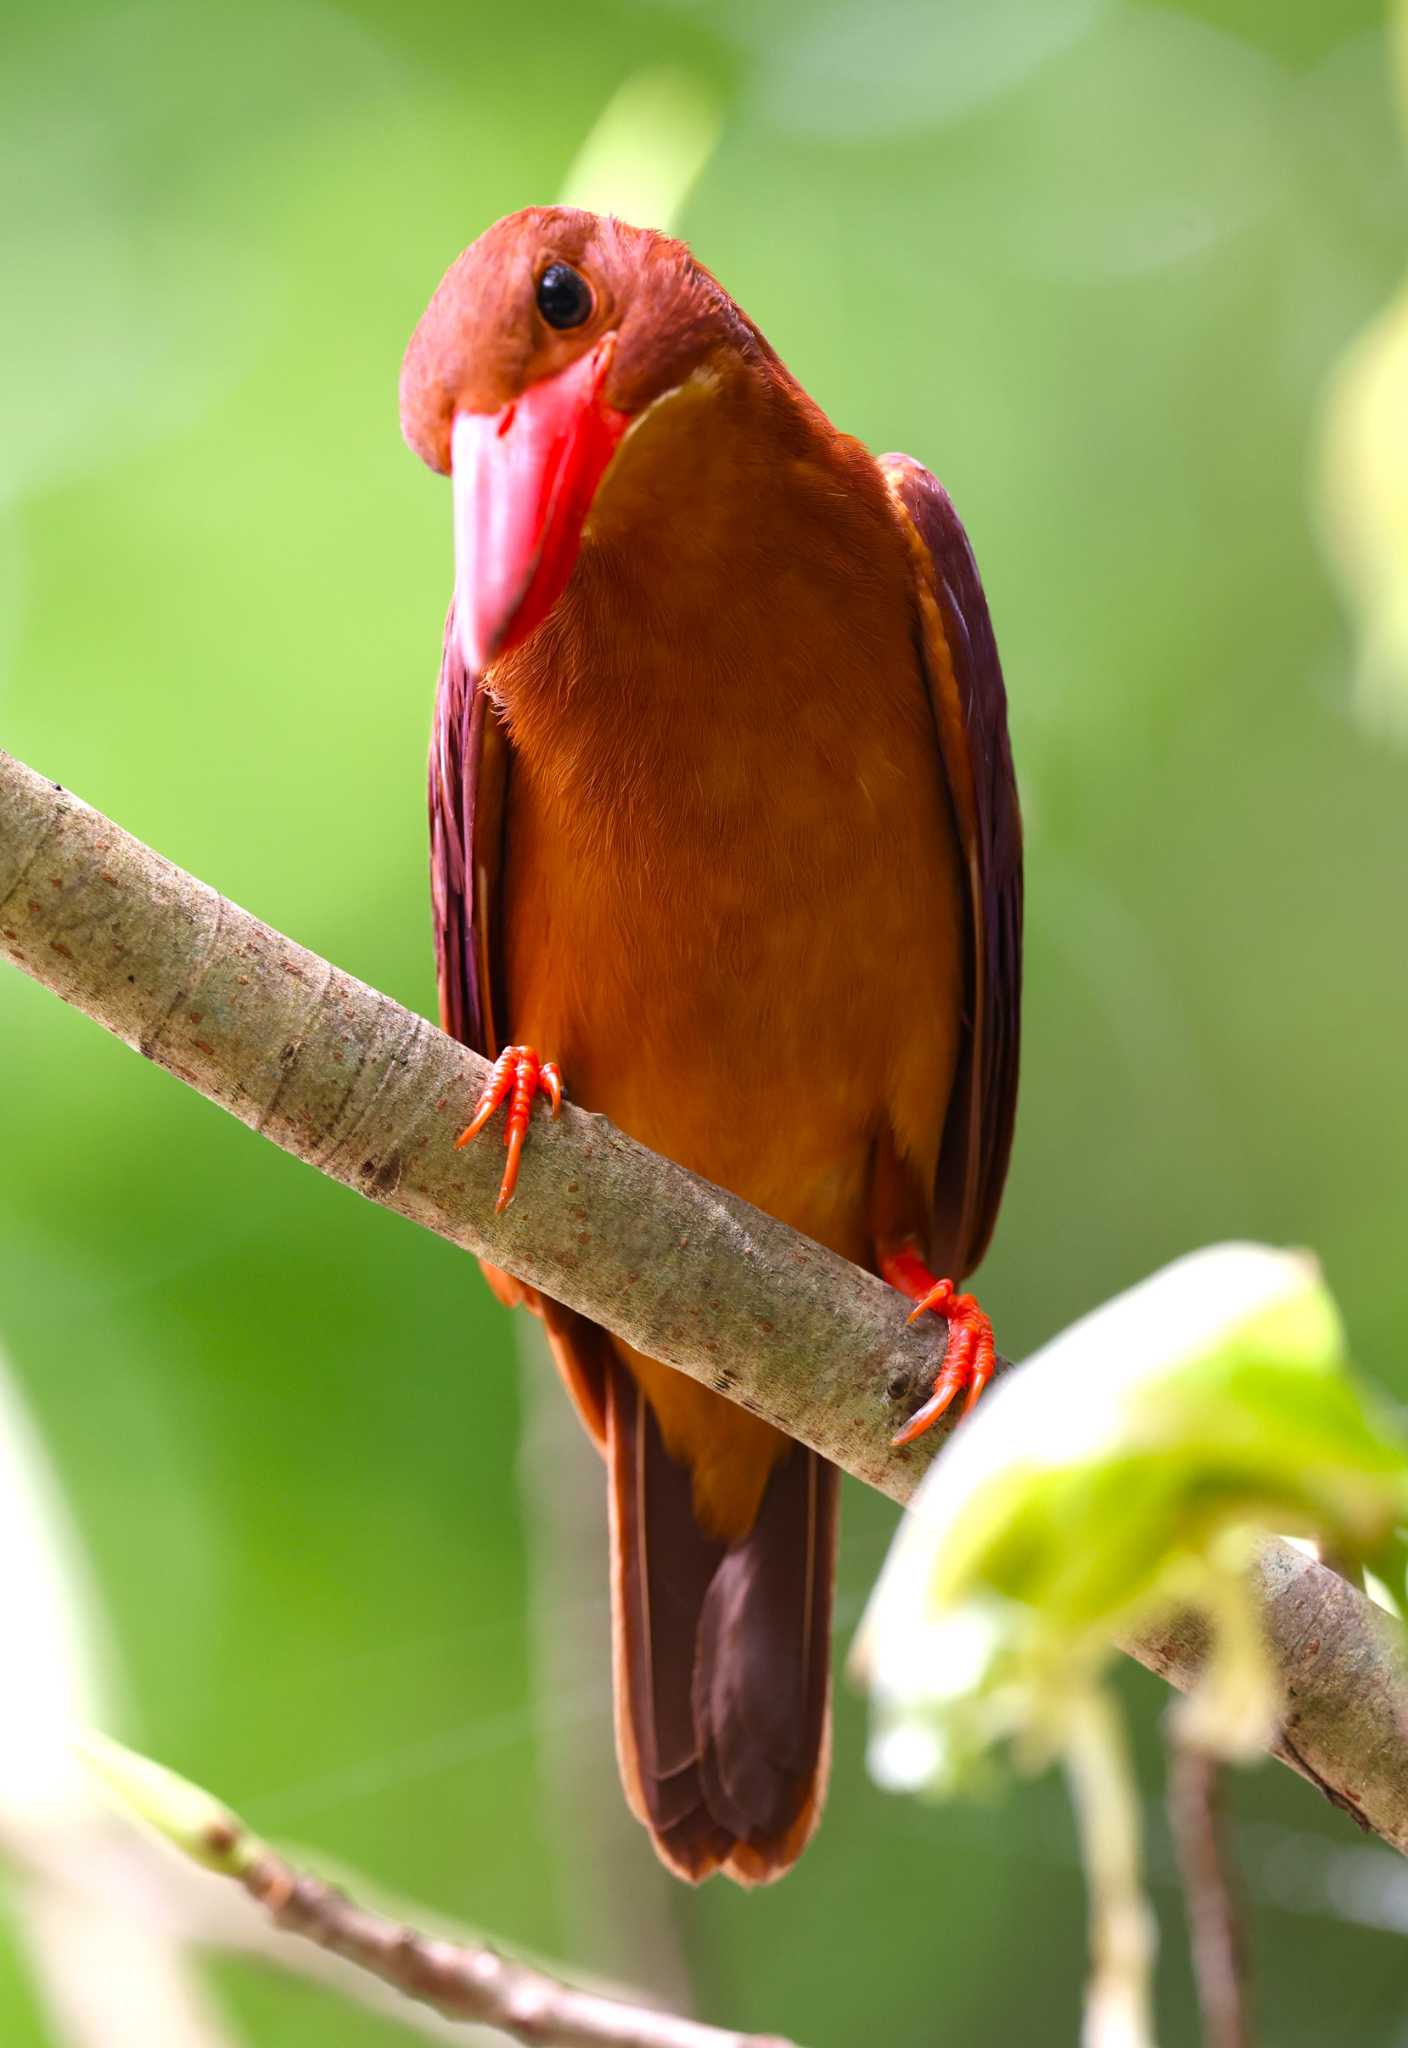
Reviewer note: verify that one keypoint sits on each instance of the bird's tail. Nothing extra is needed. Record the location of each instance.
(722, 1653)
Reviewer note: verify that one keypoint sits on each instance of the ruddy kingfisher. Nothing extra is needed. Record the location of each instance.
(725, 839)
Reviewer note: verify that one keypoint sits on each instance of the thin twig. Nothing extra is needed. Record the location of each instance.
(96, 1871)
(349, 1081)
(462, 1980)
(1214, 1922)
(474, 1984)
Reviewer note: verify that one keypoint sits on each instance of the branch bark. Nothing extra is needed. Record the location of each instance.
(344, 1078)
(473, 1984)
(371, 1095)
(1214, 1921)
(463, 1986)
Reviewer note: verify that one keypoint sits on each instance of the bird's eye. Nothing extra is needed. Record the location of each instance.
(564, 296)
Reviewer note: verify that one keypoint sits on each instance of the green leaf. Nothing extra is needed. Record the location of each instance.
(1122, 1472)
(1117, 1474)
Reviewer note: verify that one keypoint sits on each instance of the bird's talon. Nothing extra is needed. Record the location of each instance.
(969, 1355)
(518, 1075)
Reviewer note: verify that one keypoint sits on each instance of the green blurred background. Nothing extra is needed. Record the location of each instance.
(1092, 261)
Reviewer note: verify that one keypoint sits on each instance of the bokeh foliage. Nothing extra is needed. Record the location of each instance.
(1092, 259)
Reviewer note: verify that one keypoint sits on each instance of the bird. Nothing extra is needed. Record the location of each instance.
(725, 841)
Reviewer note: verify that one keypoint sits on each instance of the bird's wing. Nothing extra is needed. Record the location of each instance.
(969, 702)
(468, 778)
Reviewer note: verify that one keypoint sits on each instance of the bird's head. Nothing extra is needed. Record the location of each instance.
(544, 345)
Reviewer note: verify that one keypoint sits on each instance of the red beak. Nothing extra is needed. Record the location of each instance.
(524, 480)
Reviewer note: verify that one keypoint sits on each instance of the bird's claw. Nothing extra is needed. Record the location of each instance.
(518, 1075)
(968, 1362)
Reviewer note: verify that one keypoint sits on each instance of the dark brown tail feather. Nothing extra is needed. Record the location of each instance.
(722, 1655)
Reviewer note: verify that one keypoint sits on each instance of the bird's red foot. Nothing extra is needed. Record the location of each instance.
(518, 1076)
(970, 1355)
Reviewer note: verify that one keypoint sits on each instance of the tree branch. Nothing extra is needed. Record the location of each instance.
(344, 1078)
(1214, 1923)
(1339, 1659)
(347, 1080)
(472, 1984)
(464, 1981)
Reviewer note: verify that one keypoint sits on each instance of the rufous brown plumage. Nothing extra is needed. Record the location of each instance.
(725, 841)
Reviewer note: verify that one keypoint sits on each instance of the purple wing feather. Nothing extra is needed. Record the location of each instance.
(456, 747)
(977, 1139)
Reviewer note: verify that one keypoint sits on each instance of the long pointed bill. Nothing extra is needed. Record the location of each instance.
(524, 479)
